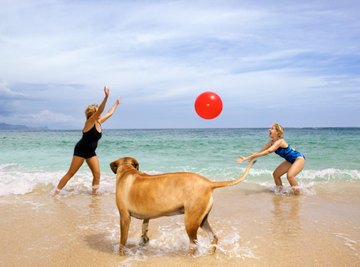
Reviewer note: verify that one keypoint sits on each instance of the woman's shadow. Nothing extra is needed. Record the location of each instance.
(98, 239)
(287, 221)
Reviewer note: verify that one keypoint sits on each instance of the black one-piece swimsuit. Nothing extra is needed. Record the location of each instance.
(87, 145)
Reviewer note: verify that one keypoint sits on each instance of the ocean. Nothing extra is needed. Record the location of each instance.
(34, 159)
(255, 225)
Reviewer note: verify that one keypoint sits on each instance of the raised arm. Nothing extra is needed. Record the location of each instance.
(267, 149)
(103, 103)
(91, 121)
(111, 111)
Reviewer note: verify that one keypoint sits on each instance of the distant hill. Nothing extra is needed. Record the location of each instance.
(5, 126)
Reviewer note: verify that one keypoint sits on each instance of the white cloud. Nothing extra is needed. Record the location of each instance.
(7, 93)
(45, 117)
(156, 52)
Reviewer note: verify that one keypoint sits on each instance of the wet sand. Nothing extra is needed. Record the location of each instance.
(255, 228)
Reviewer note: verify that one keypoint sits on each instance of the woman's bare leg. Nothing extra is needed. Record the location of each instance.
(74, 167)
(280, 171)
(294, 170)
(94, 166)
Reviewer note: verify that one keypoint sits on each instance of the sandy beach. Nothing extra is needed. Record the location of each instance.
(255, 228)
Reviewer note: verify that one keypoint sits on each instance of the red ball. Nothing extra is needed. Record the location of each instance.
(208, 105)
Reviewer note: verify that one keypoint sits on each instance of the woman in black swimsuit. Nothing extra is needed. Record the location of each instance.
(85, 148)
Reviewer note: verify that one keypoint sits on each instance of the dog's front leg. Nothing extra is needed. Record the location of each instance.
(124, 229)
(144, 238)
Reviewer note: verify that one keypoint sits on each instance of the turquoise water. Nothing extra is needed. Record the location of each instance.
(29, 159)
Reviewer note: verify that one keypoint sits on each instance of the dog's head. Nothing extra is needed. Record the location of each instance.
(124, 161)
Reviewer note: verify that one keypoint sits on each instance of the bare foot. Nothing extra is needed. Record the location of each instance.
(55, 192)
(296, 190)
(95, 189)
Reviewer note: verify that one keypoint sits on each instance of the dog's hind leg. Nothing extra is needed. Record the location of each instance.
(194, 217)
(191, 230)
(213, 238)
(192, 220)
(144, 238)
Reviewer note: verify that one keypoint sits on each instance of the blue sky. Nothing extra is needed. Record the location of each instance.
(293, 62)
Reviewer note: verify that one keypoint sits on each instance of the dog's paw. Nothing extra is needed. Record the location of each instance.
(212, 250)
(192, 250)
(144, 240)
(122, 251)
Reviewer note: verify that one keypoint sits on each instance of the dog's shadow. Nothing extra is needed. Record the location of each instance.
(100, 242)
(161, 247)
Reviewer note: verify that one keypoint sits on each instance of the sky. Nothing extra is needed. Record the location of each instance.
(292, 62)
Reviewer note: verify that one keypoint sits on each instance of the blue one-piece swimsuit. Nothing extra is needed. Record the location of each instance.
(289, 154)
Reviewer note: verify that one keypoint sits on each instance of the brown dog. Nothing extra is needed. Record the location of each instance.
(147, 197)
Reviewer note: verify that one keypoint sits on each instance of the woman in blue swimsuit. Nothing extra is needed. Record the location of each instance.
(85, 148)
(294, 160)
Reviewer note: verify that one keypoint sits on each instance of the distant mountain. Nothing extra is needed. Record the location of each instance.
(5, 126)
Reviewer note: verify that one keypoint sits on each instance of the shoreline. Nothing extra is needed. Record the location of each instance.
(255, 228)
(25, 128)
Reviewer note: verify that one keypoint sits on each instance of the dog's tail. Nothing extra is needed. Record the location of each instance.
(235, 181)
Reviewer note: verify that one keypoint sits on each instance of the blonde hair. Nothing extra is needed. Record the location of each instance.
(90, 110)
(279, 129)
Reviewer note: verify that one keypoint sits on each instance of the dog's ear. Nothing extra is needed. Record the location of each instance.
(135, 163)
(114, 166)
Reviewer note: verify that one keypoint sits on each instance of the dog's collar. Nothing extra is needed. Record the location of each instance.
(136, 166)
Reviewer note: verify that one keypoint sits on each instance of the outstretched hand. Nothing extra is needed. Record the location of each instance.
(241, 159)
(118, 101)
(106, 90)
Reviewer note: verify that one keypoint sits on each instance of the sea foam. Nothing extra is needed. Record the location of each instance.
(16, 179)
(171, 239)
